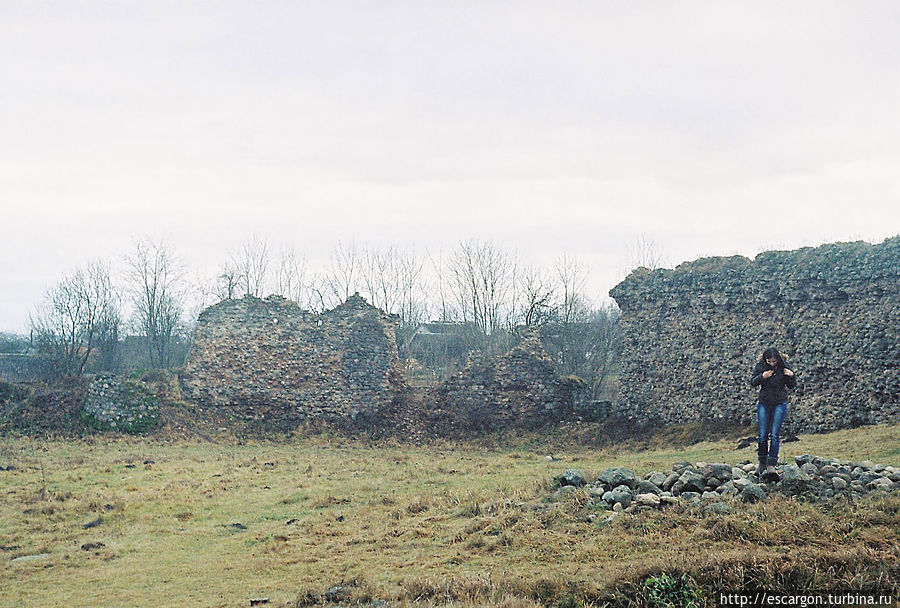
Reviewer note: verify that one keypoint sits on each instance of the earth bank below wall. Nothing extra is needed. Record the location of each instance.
(692, 335)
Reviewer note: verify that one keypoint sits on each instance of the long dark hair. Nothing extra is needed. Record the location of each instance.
(772, 353)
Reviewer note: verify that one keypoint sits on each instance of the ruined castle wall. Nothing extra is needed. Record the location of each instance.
(692, 335)
(269, 359)
(519, 389)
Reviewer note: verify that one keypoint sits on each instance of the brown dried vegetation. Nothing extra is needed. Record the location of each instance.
(330, 521)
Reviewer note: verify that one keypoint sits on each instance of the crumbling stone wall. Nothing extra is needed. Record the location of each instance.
(519, 389)
(692, 335)
(116, 404)
(270, 360)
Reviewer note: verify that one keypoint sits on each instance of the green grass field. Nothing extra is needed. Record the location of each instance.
(188, 523)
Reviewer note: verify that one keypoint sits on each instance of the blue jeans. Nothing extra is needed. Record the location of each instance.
(770, 418)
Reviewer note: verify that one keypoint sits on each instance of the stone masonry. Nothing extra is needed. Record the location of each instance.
(692, 335)
(268, 359)
(117, 404)
(518, 389)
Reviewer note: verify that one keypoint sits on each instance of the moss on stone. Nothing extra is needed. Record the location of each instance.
(114, 404)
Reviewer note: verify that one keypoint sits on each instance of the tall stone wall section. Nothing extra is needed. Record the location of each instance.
(268, 359)
(692, 335)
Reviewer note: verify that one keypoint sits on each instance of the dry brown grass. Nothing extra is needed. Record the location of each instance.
(216, 524)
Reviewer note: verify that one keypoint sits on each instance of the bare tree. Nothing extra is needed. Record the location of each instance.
(79, 312)
(537, 299)
(393, 281)
(581, 339)
(227, 283)
(440, 288)
(290, 275)
(156, 285)
(483, 281)
(605, 346)
(250, 264)
(380, 275)
(571, 277)
(342, 278)
(412, 306)
(108, 355)
(317, 290)
(586, 347)
(644, 253)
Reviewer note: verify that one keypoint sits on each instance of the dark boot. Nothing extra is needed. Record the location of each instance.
(771, 475)
(763, 453)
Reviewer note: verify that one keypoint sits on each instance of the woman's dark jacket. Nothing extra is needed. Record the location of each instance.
(773, 390)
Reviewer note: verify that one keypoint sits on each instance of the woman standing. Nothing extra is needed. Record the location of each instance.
(773, 378)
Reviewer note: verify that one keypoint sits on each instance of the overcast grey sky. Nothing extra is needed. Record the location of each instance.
(710, 128)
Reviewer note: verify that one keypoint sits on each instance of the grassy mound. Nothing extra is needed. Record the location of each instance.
(42, 410)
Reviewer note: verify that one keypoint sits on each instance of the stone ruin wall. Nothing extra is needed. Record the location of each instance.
(520, 389)
(269, 360)
(692, 335)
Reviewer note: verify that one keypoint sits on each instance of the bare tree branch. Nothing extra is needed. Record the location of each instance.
(644, 253)
(79, 313)
(290, 276)
(250, 264)
(482, 278)
(342, 277)
(156, 284)
(537, 304)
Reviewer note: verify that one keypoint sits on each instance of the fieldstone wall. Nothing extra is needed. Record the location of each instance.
(519, 389)
(692, 335)
(116, 404)
(270, 360)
